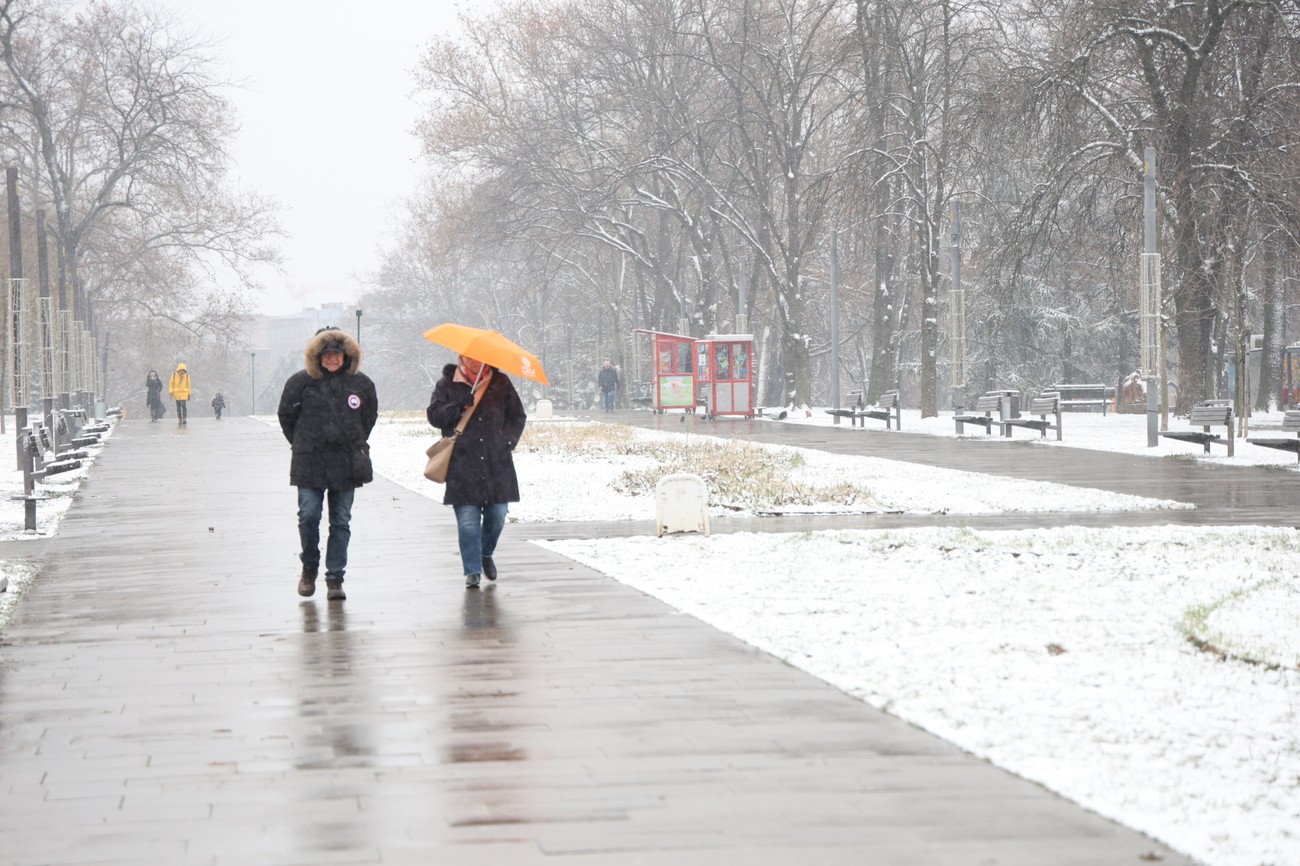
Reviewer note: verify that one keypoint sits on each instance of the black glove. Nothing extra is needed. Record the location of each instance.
(467, 401)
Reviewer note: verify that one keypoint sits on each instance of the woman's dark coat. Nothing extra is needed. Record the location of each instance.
(327, 418)
(482, 470)
(154, 387)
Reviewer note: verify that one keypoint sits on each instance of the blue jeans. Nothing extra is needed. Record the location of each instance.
(609, 400)
(479, 527)
(311, 502)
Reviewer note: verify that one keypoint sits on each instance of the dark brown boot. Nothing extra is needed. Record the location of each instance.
(307, 583)
(335, 587)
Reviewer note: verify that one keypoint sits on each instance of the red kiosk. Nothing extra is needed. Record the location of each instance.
(724, 373)
(716, 370)
(672, 379)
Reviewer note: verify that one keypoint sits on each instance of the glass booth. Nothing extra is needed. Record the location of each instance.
(724, 374)
(672, 379)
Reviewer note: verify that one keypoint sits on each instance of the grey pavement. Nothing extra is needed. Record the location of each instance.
(166, 697)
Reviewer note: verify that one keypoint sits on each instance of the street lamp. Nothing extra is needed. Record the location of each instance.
(358, 324)
(252, 378)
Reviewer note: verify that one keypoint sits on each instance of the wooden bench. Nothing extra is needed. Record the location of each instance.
(1211, 413)
(1084, 398)
(990, 405)
(888, 409)
(1047, 403)
(1290, 424)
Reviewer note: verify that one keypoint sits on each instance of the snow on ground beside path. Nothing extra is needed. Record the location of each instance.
(556, 488)
(59, 491)
(1059, 654)
(1122, 434)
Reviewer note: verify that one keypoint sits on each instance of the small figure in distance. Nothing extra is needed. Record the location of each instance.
(218, 403)
(180, 388)
(153, 395)
(607, 379)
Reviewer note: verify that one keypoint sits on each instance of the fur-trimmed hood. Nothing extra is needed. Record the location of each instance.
(351, 351)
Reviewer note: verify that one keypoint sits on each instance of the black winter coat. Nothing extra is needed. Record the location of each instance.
(482, 470)
(327, 418)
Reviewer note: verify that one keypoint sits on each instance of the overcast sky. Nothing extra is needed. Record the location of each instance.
(326, 113)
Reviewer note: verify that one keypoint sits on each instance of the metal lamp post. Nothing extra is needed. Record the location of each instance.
(358, 324)
(1150, 300)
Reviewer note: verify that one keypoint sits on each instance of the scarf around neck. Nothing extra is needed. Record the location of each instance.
(461, 376)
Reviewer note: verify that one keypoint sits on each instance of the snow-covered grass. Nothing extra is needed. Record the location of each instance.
(1122, 434)
(1149, 673)
(57, 495)
(611, 470)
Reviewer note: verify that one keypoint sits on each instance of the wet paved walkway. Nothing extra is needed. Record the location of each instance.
(165, 697)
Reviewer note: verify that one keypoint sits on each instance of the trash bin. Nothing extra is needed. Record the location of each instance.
(1008, 404)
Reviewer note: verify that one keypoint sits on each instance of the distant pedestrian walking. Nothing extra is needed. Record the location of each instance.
(180, 389)
(218, 403)
(153, 395)
(608, 382)
(481, 480)
(327, 412)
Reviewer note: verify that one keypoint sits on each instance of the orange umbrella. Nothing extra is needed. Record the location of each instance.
(489, 347)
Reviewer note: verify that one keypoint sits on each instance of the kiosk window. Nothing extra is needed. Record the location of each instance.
(724, 360)
(741, 358)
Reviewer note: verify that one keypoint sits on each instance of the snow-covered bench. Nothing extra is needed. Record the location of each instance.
(1290, 424)
(1083, 397)
(888, 408)
(1210, 413)
(991, 407)
(1047, 403)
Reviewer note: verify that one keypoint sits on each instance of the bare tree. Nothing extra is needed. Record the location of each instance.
(117, 114)
(1206, 84)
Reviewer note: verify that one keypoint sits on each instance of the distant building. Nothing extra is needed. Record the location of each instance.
(277, 342)
(283, 337)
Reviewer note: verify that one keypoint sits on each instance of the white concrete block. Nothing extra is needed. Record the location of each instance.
(681, 504)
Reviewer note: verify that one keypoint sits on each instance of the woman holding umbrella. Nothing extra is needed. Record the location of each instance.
(481, 480)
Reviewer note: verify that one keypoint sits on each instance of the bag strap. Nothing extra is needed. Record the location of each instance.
(465, 416)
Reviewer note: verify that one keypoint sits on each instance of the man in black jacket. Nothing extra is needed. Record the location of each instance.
(327, 412)
(607, 379)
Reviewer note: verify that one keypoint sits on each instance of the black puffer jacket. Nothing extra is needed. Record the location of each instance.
(327, 418)
(482, 470)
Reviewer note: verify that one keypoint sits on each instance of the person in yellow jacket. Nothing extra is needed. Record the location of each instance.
(180, 389)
